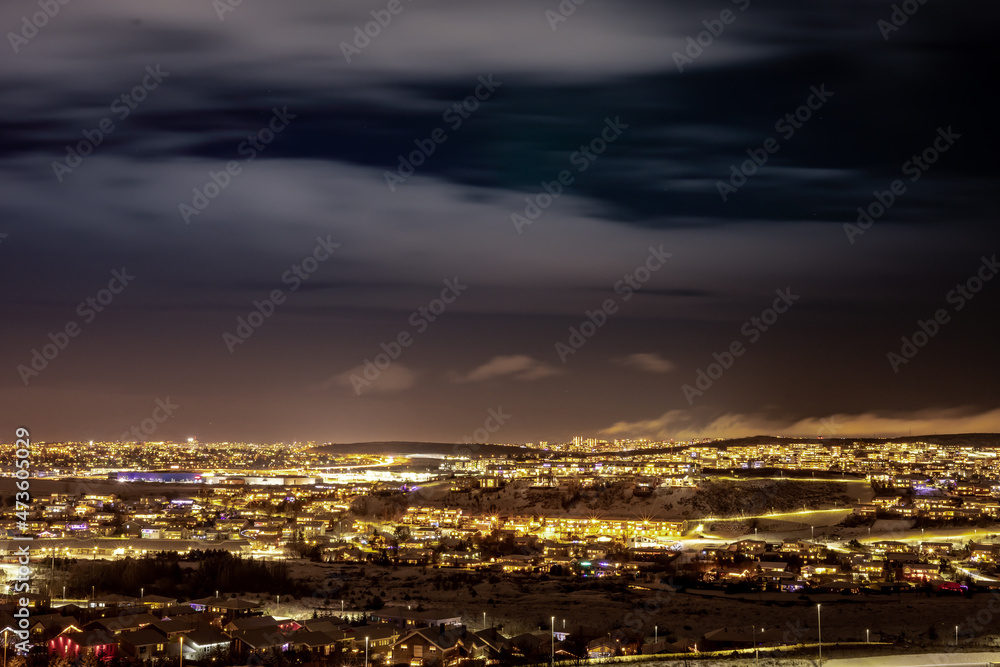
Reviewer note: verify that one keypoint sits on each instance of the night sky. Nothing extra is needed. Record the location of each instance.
(461, 189)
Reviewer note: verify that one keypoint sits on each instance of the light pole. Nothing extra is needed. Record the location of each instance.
(656, 633)
(956, 636)
(868, 636)
(182, 650)
(484, 620)
(366, 651)
(819, 630)
(756, 653)
(552, 657)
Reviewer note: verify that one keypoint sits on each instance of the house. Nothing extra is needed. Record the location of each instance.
(183, 611)
(814, 571)
(900, 558)
(113, 600)
(618, 642)
(119, 624)
(864, 509)
(936, 549)
(204, 639)
(869, 569)
(260, 640)
(380, 637)
(840, 586)
(75, 645)
(458, 558)
(258, 622)
(526, 563)
(983, 553)
(156, 601)
(603, 647)
(47, 626)
(885, 502)
(173, 628)
(771, 567)
(144, 644)
(325, 624)
(921, 571)
(425, 647)
(408, 618)
(890, 546)
(232, 608)
(735, 572)
(316, 642)
(414, 556)
(749, 547)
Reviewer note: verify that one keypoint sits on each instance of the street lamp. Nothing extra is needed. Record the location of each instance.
(484, 620)
(552, 657)
(868, 636)
(366, 651)
(182, 650)
(819, 630)
(756, 653)
(956, 635)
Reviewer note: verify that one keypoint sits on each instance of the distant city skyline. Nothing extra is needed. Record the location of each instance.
(304, 222)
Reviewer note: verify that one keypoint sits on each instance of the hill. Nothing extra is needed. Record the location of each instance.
(438, 449)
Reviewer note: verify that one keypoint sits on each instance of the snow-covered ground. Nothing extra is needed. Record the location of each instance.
(918, 660)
